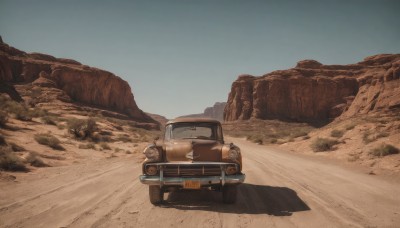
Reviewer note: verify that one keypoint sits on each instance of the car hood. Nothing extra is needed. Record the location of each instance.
(193, 150)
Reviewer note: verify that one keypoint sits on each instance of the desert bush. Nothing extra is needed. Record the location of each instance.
(350, 126)
(15, 147)
(49, 140)
(3, 140)
(9, 161)
(382, 135)
(105, 146)
(384, 150)
(87, 146)
(49, 120)
(34, 160)
(306, 137)
(323, 144)
(38, 112)
(124, 138)
(259, 139)
(3, 118)
(366, 137)
(273, 140)
(82, 129)
(101, 138)
(337, 133)
(299, 132)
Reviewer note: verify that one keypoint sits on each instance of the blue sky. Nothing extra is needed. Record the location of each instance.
(181, 56)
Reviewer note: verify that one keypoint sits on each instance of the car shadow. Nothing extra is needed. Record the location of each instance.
(251, 199)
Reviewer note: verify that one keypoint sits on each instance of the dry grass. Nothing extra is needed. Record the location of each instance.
(267, 131)
(15, 147)
(105, 146)
(124, 138)
(323, 144)
(3, 141)
(35, 160)
(3, 118)
(49, 140)
(82, 129)
(384, 150)
(51, 120)
(337, 133)
(9, 161)
(87, 146)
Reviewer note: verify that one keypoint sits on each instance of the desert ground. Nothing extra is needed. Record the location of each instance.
(282, 189)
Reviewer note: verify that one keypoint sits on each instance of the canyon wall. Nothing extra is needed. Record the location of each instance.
(79, 83)
(313, 92)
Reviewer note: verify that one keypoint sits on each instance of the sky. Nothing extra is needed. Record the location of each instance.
(181, 56)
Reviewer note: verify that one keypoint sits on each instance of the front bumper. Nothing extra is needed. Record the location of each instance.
(219, 178)
(204, 181)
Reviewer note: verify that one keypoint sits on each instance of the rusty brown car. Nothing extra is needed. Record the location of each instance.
(192, 155)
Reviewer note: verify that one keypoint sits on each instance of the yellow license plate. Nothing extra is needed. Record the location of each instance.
(191, 184)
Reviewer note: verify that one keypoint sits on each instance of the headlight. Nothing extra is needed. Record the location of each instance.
(230, 170)
(152, 153)
(233, 153)
(151, 170)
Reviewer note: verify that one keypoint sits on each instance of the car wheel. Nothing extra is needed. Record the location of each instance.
(156, 194)
(229, 193)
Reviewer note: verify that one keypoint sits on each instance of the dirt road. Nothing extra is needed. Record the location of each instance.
(281, 190)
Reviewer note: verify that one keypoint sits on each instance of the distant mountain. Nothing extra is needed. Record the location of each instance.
(214, 112)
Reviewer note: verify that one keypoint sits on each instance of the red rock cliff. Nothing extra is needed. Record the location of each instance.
(312, 92)
(81, 83)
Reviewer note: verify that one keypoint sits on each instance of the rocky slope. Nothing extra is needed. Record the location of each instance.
(65, 80)
(214, 112)
(317, 93)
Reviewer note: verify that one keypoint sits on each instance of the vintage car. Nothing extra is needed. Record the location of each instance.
(192, 155)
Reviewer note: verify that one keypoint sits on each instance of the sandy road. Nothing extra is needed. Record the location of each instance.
(281, 190)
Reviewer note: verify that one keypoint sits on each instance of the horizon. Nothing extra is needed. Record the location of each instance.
(180, 57)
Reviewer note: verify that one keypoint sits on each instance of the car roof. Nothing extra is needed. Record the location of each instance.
(193, 120)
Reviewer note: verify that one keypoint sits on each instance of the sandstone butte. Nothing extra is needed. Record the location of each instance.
(316, 93)
(69, 79)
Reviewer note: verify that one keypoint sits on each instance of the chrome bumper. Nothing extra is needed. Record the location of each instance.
(204, 181)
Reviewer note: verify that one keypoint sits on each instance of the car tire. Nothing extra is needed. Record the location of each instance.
(229, 193)
(156, 194)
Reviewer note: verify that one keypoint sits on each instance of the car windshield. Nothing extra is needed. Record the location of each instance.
(194, 131)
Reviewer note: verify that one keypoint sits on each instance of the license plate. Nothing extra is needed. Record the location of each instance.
(189, 184)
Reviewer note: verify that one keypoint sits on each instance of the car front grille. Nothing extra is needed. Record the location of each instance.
(191, 170)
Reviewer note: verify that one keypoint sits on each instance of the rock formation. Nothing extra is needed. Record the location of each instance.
(214, 112)
(313, 92)
(75, 81)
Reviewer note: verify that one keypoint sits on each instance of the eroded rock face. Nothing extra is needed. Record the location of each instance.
(81, 83)
(312, 92)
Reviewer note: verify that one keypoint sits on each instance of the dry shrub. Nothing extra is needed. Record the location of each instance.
(82, 129)
(3, 140)
(337, 133)
(105, 146)
(3, 118)
(49, 140)
(49, 120)
(323, 144)
(384, 150)
(15, 147)
(34, 160)
(87, 146)
(124, 138)
(9, 161)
